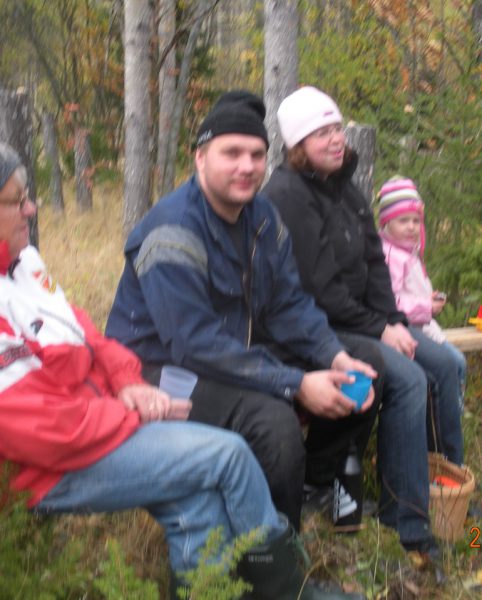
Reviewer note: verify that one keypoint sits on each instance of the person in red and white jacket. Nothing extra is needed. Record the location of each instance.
(87, 434)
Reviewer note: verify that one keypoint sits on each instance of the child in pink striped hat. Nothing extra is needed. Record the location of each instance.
(402, 229)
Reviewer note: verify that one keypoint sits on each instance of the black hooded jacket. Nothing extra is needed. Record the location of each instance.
(337, 248)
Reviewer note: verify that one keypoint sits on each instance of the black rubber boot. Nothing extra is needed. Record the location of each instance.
(274, 572)
(174, 584)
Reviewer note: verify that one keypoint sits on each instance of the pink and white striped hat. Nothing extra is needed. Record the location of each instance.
(398, 196)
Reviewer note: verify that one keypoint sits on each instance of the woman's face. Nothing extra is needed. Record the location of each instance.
(325, 148)
(15, 211)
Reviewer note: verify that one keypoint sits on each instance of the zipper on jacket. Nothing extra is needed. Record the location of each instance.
(248, 285)
(88, 382)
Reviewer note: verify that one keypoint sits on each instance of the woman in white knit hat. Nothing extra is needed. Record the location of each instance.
(341, 262)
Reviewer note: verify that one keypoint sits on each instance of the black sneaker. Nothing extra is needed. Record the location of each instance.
(318, 499)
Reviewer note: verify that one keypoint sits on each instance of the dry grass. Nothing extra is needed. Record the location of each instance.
(84, 252)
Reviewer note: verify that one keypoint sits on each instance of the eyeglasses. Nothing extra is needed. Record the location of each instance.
(327, 131)
(19, 202)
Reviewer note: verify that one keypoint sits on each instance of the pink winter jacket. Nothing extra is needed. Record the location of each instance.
(411, 286)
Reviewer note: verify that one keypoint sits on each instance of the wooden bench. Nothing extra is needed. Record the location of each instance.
(467, 339)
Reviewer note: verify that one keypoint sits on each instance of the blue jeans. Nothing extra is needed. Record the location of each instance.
(441, 369)
(402, 447)
(402, 433)
(190, 477)
(461, 365)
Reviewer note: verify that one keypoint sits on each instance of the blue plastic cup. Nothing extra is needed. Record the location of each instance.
(177, 382)
(358, 390)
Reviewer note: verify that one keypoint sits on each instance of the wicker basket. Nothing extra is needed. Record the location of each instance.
(449, 505)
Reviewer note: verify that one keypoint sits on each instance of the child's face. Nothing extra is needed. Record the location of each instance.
(405, 228)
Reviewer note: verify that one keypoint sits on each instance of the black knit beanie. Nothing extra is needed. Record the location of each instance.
(9, 161)
(237, 111)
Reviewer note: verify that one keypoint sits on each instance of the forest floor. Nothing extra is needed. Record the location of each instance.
(84, 253)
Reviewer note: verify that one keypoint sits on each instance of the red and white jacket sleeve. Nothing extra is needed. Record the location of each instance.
(58, 381)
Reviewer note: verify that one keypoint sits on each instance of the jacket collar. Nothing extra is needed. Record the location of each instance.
(254, 216)
(410, 247)
(5, 258)
(346, 171)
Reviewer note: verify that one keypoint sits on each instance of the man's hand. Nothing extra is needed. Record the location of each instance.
(320, 394)
(152, 404)
(344, 362)
(398, 337)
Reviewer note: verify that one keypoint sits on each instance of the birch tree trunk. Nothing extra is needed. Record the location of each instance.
(167, 85)
(138, 16)
(16, 129)
(280, 67)
(170, 171)
(83, 169)
(51, 150)
(362, 139)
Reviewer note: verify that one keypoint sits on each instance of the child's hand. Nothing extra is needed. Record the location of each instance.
(438, 302)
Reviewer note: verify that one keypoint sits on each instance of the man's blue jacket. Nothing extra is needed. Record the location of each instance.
(183, 297)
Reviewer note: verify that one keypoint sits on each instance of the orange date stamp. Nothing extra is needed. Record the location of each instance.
(475, 538)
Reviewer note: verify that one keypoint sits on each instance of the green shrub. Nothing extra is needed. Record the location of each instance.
(216, 580)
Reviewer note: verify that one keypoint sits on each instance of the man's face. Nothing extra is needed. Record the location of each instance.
(15, 211)
(231, 169)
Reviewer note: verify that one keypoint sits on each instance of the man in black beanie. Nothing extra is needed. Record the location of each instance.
(235, 112)
(210, 284)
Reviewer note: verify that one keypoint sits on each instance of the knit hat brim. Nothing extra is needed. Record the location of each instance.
(237, 111)
(305, 111)
(397, 196)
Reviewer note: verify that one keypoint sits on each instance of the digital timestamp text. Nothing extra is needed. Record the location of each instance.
(475, 538)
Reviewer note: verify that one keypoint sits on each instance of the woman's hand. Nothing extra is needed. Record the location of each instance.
(398, 337)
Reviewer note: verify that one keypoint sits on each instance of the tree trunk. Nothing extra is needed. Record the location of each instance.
(83, 169)
(167, 85)
(362, 139)
(170, 171)
(51, 150)
(16, 129)
(138, 16)
(280, 67)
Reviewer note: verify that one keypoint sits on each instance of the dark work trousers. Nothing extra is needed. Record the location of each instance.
(272, 428)
(328, 440)
(269, 425)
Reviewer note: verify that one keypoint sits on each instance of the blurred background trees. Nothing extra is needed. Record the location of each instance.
(409, 68)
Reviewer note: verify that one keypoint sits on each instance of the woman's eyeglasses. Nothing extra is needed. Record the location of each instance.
(19, 202)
